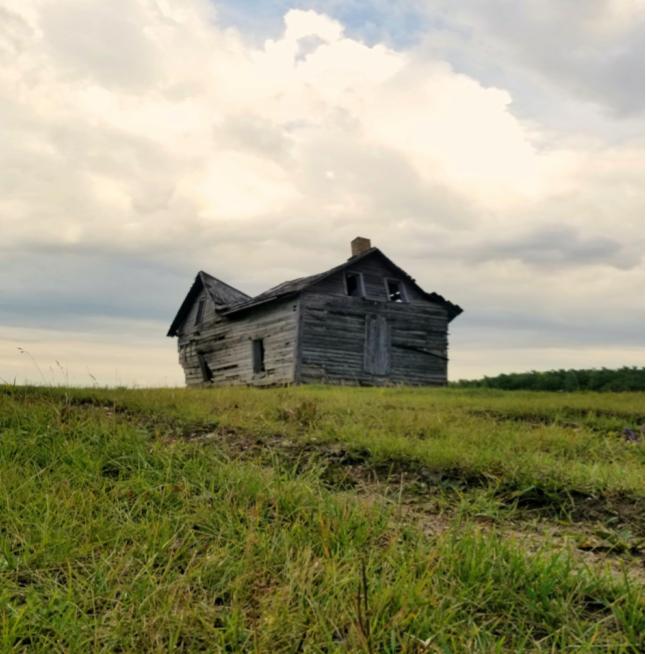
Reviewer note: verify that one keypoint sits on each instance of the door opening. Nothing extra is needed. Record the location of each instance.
(377, 345)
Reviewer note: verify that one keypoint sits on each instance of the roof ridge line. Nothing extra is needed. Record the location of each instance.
(220, 281)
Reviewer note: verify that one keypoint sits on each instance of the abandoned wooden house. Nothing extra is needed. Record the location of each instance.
(364, 322)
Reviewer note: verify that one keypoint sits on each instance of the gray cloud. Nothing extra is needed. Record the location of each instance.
(518, 329)
(591, 50)
(560, 245)
(64, 287)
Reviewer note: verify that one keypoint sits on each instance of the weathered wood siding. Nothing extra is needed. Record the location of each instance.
(226, 345)
(377, 345)
(369, 340)
(188, 325)
(360, 341)
(374, 273)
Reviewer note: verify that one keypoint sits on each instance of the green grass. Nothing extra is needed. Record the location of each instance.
(124, 528)
(564, 441)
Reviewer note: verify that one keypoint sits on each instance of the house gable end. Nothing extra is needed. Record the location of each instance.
(217, 296)
(332, 281)
(376, 269)
(373, 272)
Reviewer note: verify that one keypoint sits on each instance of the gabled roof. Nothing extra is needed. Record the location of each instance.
(230, 301)
(295, 286)
(222, 295)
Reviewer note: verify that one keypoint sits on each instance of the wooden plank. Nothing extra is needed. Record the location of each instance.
(226, 345)
(335, 331)
(377, 345)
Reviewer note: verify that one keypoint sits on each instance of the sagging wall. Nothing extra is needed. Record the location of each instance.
(357, 340)
(225, 345)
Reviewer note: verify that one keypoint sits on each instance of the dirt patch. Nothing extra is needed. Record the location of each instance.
(340, 467)
(343, 467)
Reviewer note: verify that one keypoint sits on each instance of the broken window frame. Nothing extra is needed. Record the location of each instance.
(350, 274)
(390, 294)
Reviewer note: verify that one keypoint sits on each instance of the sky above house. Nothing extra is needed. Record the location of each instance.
(494, 150)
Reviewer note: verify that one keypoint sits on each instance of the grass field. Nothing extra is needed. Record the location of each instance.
(320, 519)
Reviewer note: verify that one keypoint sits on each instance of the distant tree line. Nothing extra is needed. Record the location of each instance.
(602, 379)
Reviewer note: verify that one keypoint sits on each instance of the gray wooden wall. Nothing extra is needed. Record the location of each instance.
(374, 272)
(369, 340)
(226, 345)
(334, 332)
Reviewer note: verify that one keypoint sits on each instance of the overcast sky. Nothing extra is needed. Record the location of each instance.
(494, 150)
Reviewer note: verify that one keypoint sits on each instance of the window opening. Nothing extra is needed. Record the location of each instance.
(354, 284)
(394, 290)
(200, 312)
(207, 373)
(258, 354)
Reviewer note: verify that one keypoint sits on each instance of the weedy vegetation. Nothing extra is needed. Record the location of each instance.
(320, 519)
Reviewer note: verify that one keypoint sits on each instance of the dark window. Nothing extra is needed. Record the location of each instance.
(258, 354)
(199, 313)
(207, 374)
(394, 290)
(354, 284)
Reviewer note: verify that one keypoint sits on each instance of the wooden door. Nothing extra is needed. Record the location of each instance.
(377, 345)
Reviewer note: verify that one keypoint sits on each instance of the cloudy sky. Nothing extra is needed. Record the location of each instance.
(492, 149)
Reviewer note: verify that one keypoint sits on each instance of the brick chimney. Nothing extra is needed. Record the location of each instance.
(359, 244)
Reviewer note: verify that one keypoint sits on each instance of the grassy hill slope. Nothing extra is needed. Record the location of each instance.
(320, 520)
